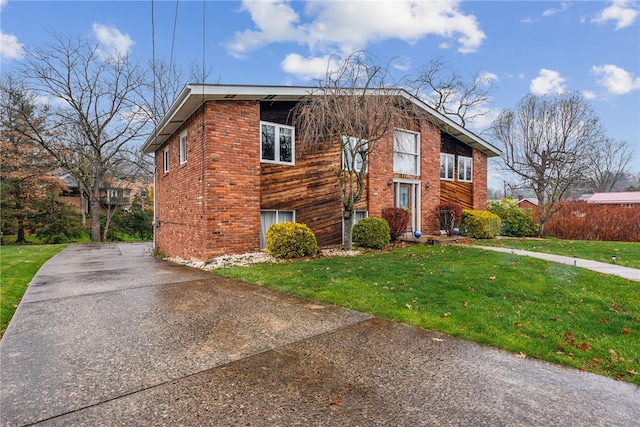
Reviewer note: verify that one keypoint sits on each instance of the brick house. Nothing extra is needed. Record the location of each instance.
(221, 180)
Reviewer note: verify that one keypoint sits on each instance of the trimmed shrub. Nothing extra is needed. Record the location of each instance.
(449, 215)
(480, 224)
(291, 240)
(515, 222)
(372, 233)
(398, 221)
(589, 221)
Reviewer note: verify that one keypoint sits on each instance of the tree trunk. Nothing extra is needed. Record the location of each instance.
(107, 221)
(21, 235)
(94, 202)
(347, 216)
(83, 203)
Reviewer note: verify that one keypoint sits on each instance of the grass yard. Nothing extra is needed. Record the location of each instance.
(528, 306)
(18, 266)
(627, 253)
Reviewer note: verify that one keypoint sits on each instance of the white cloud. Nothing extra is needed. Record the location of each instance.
(616, 80)
(3, 3)
(548, 81)
(275, 22)
(312, 68)
(623, 12)
(10, 47)
(589, 94)
(551, 11)
(346, 26)
(486, 78)
(112, 40)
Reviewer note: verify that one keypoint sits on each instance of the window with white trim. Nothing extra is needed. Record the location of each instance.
(165, 159)
(351, 146)
(268, 218)
(277, 143)
(183, 147)
(447, 162)
(406, 152)
(465, 169)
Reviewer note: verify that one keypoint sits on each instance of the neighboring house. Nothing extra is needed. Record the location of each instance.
(622, 198)
(113, 193)
(529, 203)
(228, 165)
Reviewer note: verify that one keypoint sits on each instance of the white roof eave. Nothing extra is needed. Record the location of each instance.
(193, 96)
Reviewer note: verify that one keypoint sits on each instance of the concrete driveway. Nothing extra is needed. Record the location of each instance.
(107, 335)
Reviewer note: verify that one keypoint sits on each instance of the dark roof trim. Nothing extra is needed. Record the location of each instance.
(193, 96)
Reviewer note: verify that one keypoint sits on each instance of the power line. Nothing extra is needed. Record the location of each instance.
(173, 38)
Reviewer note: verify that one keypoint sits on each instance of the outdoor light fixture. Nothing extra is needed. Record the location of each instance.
(390, 183)
(613, 259)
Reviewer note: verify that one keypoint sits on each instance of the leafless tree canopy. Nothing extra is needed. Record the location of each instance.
(355, 108)
(446, 91)
(95, 109)
(546, 144)
(607, 164)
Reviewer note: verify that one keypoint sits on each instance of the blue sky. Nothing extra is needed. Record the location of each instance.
(524, 46)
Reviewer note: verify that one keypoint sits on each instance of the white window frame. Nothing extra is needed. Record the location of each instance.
(363, 214)
(415, 153)
(183, 147)
(165, 159)
(465, 164)
(347, 157)
(263, 232)
(449, 174)
(276, 159)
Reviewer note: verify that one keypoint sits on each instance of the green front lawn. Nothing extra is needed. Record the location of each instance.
(627, 253)
(18, 266)
(528, 306)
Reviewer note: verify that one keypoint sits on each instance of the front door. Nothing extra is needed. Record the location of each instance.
(407, 196)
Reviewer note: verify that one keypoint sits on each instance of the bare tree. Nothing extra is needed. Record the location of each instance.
(546, 142)
(352, 107)
(607, 165)
(446, 91)
(94, 99)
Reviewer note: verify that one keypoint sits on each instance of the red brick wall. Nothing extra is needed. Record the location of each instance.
(479, 180)
(430, 170)
(210, 206)
(379, 193)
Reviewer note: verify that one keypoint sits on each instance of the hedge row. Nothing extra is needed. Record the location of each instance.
(587, 221)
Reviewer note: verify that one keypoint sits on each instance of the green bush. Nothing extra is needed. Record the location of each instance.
(291, 240)
(54, 221)
(515, 221)
(480, 224)
(372, 233)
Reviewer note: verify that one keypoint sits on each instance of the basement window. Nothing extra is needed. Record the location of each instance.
(268, 218)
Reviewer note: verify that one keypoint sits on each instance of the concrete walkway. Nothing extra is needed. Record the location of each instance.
(107, 335)
(600, 267)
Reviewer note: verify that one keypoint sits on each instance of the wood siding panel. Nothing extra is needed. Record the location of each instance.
(460, 193)
(309, 187)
